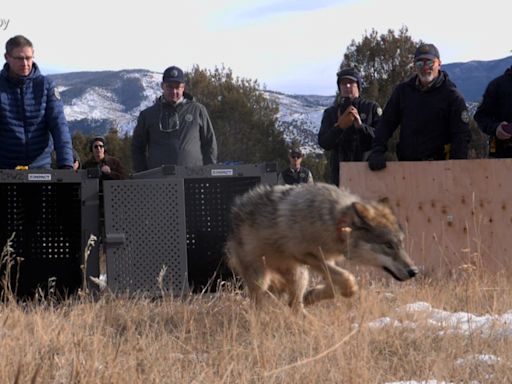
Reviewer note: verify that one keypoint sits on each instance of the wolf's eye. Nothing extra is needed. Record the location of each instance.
(389, 245)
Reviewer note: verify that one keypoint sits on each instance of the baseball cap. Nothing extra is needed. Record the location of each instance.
(296, 152)
(426, 51)
(173, 74)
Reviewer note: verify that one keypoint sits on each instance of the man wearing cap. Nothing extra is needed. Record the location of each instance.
(295, 173)
(348, 126)
(494, 115)
(32, 121)
(175, 130)
(431, 113)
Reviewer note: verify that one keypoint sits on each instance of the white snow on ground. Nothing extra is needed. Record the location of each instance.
(422, 314)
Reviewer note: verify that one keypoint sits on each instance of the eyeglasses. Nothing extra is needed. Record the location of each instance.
(22, 58)
(420, 64)
(98, 146)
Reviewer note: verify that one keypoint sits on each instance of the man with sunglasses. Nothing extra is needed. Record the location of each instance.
(32, 121)
(175, 130)
(431, 113)
(494, 115)
(295, 173)
(348, 125)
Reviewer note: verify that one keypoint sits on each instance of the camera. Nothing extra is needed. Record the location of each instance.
(345, 102)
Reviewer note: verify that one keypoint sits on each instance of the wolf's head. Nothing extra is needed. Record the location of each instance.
(374, 237)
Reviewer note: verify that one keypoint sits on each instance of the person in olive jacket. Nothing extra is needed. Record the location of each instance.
(175, 130)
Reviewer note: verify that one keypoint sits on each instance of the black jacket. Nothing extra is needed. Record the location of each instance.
(496, 107)
(429, 120)
(350, 144)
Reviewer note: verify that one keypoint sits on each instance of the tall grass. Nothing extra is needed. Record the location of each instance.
(221, 338)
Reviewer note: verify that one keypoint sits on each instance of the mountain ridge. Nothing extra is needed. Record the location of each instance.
(95, 102)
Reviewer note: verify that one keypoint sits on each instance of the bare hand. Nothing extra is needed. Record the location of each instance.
(346, 119)
(105, 169)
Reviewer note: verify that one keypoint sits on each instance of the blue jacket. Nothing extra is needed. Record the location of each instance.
(32, 122)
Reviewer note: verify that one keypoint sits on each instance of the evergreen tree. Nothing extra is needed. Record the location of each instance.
(383, 61)
(244, 120)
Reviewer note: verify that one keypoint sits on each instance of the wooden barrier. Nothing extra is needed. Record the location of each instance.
(455, 213)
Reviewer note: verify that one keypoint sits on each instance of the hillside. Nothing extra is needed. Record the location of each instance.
(96, 101)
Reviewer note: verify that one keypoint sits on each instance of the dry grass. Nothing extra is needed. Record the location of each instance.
(221, 339)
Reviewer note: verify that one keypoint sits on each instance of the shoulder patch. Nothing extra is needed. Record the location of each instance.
(464, 116)
(55, 92)
(379, 111)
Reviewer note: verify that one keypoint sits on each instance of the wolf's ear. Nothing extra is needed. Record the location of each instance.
(356, 215)
(385, 201)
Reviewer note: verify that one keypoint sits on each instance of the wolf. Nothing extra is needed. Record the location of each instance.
(279, 233)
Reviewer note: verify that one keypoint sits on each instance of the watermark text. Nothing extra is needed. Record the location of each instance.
(4, 23)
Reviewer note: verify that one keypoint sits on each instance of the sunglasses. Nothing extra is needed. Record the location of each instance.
(295, 156)
(97, 146)
(420, 64)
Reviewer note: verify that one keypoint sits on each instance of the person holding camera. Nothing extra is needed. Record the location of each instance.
(347, 127)
(494, 115)
(431, 113)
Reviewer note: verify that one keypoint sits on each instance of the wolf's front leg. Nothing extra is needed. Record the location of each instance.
(336, 280)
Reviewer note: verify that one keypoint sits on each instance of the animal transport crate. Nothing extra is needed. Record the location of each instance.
(208, 194)
(49, 215)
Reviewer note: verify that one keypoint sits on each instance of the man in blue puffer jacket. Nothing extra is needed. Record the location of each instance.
(32, 120)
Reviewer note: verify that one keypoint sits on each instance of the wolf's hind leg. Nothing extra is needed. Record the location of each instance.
(296, 281)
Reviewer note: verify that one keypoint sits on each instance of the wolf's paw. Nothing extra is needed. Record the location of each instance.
(349, 288)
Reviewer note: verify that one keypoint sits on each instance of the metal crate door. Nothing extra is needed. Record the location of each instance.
(51, 214)
(208, 205)
(145, 235)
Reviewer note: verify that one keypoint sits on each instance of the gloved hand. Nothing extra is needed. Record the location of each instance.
(377, 161)
(502, 132)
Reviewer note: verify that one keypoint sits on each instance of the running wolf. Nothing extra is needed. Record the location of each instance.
(279, 231)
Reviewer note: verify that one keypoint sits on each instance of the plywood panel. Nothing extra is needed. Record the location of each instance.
(454, 212)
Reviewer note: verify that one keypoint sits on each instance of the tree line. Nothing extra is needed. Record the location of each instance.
(245, 121)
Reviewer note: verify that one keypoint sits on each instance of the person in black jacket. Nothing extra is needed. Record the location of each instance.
(494, 115)
(431, 113)
(295, 173)
(348, 126)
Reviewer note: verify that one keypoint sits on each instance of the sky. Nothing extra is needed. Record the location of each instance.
(289, 46)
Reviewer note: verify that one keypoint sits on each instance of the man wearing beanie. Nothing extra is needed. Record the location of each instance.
(348, 126)
(431, 113)
(175, 130)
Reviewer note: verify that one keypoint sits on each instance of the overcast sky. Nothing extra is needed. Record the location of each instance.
(288, 46)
